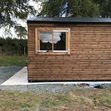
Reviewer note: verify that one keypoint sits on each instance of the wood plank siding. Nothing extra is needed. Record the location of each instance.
(89, 58)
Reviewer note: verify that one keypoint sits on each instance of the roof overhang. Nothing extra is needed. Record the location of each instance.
(70, 20)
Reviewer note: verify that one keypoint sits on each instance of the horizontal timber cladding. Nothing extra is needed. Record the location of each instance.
(89, 58)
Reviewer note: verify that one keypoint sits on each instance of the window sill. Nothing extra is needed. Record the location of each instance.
(53, 53)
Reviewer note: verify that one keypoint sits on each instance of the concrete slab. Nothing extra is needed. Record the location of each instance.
(21, 78)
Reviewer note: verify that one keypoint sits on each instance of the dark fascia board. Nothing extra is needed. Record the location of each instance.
(82, 20)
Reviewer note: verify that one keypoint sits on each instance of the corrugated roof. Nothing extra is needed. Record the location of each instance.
(75, 20)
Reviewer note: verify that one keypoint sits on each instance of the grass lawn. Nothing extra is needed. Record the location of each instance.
(13, 60)
(76, 100)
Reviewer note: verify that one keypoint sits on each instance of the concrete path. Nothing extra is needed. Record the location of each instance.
(21, 78)
(8, 71)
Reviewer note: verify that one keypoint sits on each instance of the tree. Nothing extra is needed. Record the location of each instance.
(10, 9)
(83, 8)
(14, 9)
(105, 7)
(21, 32)
(2, 42)
(13, 46)
(52, 8)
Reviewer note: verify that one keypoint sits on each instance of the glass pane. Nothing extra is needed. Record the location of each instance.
(45, 41)
(59, 40)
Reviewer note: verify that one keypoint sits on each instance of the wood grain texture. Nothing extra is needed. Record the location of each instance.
(89, 58)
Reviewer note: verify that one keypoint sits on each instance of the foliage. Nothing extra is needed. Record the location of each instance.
(21, 31)
(14, 9)
(105, 7)
(77, 8)
(52, 8)
(10, 9)
(82, 8)
(20, 9)
(9, 46)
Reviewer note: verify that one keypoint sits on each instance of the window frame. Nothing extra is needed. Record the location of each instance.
(52, 30)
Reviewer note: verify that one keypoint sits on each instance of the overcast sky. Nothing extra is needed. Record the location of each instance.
(19, 21)
(47, 37)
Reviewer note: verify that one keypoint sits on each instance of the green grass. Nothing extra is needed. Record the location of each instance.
(75, 100)
(13, 60)
(16, 101)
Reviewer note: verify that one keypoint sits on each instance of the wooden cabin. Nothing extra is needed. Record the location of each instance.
(69, 49)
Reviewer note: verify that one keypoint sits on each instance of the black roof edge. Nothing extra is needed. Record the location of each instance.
(82, 20)
(33, 22)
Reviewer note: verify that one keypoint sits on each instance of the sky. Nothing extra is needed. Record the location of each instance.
(23, 23)
(47, 37)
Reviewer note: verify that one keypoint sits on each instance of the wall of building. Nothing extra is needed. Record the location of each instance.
(89, 59)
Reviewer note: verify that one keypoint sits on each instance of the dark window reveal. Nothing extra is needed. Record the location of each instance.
(59, 40)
